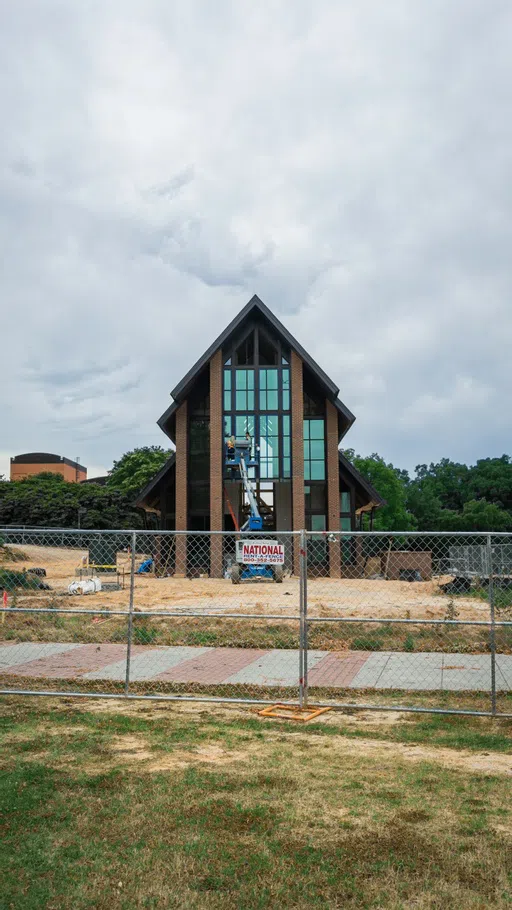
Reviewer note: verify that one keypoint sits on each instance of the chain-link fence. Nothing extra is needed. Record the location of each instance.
(405, 621)
(417, 621)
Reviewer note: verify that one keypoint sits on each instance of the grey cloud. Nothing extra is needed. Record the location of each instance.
(347, 162)
(171, 188)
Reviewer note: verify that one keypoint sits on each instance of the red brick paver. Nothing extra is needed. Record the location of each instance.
(71, 663)
(336, 669)
(213, 667)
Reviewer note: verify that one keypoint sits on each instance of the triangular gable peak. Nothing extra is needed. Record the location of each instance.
(256, 316)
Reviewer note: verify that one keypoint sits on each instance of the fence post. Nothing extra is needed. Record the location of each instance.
(493, 626)
(303, 595)
(130, 615)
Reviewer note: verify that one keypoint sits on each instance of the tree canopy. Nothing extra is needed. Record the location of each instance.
(135, 469)
(47, 500)
(389, 482)
(446, 496)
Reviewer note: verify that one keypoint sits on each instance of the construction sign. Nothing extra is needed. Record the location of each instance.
(260, 552)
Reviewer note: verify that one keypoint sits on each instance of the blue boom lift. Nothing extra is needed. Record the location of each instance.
(239, 458)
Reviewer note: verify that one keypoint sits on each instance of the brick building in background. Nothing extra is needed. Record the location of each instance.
(31, 463)
(257, 379)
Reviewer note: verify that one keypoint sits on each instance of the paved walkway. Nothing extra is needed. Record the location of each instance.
(433, 671)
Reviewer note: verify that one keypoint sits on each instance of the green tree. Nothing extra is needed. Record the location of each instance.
(447, 480)
(136, 468)
(491, 479)
(426, 507)
(391, 483)
(46, 500)
(476, 515)
(451, 496)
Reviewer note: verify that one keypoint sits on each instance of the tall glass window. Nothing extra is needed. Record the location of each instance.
(256, 400)
(244, 423)
(269, 390)
(286, 446)
(227, 390)
(348, 553)
(314, 449)
(286, 390)
(198, 458)
(244, 390)
(269, 447)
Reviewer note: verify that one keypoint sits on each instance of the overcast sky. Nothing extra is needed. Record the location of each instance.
(347, 160)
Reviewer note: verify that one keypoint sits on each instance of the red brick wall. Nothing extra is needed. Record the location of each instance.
(216, 468)
(20, 471)
(181, 488)
(333, 487)
(298, 507)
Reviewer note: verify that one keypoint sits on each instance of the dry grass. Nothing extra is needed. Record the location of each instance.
(137, 806)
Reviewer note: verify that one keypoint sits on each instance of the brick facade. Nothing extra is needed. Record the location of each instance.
(72, 473)
(245, 342)
(333, 487)
(181, 488)
(216, 466)
(297, 434)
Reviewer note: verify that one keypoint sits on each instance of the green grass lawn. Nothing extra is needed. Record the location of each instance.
(194, 806)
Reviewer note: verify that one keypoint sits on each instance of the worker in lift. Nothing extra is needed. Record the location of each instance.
(230, 447)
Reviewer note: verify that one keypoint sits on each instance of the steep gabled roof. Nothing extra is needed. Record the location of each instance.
(254, 305)
(150, 486)
(257, 307)
(374, 499)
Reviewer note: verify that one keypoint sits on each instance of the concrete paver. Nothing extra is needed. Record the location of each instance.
(504, 666)
(275, 668)
(371, 671)
(427, 671)
(146, 663)
(13, 654)
(418, 671)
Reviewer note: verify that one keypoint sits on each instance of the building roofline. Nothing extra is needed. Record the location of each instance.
(347, 415)
(254, 304)
(374, 497)
(166, 416)
(46, 458)
(156, 479)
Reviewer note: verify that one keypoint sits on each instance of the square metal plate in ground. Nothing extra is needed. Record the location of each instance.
(292, 712)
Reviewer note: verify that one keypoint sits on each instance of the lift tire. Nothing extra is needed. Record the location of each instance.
(235, 574)
(278, 574)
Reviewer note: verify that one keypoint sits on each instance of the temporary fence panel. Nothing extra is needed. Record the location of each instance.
(168, 622)
(405, 621)
(66, 597)
(385, 620)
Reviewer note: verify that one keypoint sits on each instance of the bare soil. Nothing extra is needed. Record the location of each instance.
(326, 596)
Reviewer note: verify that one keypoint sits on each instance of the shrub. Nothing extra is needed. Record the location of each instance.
(11, 580)
(365, 643)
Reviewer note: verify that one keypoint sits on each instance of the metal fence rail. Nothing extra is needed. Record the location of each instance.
(402, 621)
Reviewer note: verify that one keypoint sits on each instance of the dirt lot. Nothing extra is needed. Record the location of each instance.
(326, 596)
